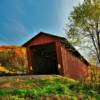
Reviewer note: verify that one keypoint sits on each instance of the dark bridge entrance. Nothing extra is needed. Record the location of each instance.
(44, 59)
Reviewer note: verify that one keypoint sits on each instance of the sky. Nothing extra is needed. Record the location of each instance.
(20, 20)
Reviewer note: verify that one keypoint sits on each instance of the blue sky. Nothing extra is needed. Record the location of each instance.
(22, 19)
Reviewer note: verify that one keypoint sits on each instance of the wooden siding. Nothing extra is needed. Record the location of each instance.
(59, 58)
(68, 63)
(73, 66)
(44, 40)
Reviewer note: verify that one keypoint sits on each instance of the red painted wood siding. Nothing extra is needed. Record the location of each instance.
(43, 39)
(59, 58)
(73, 66)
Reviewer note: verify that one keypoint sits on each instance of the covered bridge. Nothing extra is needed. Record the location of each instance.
(51, 54)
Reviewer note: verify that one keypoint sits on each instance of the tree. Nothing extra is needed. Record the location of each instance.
(84, 27)
(14, 59)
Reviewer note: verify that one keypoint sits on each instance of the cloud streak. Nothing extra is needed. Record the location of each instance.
(80, 1)
(12, 27)
(20, 19)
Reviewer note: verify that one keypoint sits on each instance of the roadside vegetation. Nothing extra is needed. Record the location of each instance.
(43, 87)
(13, 60)
(93, 79)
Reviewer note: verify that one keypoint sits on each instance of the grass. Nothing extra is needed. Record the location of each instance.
(45, 88)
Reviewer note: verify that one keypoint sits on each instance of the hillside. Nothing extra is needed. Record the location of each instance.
(19, 50)
(44, 88)
(13, 58)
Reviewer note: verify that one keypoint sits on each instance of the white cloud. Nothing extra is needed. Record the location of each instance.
(80, 1)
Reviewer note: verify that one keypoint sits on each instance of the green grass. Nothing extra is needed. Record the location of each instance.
(46, 87)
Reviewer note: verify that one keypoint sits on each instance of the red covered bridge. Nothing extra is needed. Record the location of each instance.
(50, 54)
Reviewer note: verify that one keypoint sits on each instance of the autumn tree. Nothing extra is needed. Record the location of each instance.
(13, 58)
(84, 27)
